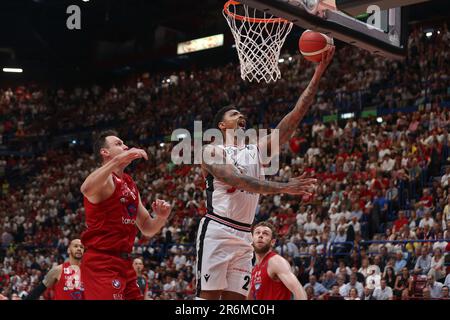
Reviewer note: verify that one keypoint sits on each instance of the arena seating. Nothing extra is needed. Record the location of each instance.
(384, 185)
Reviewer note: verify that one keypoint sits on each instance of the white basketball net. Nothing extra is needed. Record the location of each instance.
(258, 42)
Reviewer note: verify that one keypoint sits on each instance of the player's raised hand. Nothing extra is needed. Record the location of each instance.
(161, 208)
(128, 156)
(327, 57)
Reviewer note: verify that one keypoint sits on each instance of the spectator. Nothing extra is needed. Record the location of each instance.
(445, 293)
(329, 280)
(353, 295)
(423, 263)
(437, 265)
(367, 294)
(345, 290)
(319, 289)
(389, 277)
(400, 222)
(434, 287)
(447, 280)
(364, 267)
(400, 262)
(426, 294)
(334, 293)
(402, 282)
(310, 293)
(383, 292)
(343, 269)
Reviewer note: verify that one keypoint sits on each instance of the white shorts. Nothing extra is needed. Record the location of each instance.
(224, 258)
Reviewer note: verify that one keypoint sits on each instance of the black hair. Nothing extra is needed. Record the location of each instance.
(219, 115)
(99, 142)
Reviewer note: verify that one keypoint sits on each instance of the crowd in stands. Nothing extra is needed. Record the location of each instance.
(378, 226)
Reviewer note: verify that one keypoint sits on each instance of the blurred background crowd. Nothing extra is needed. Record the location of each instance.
(378, 227)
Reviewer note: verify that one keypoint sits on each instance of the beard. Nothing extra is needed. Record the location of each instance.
(262, 250)
(76, 256)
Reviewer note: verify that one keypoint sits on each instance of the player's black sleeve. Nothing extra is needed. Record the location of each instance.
(36, 292)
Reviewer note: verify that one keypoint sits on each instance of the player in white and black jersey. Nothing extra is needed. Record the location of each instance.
(233, 186)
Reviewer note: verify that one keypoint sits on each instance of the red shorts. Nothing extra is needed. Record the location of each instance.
(108, 277)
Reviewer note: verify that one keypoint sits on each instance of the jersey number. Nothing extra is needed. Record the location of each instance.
(247, 281)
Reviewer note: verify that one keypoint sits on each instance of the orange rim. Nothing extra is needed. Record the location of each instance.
(248, 19)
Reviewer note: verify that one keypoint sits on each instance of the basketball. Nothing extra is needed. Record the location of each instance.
(313, 44)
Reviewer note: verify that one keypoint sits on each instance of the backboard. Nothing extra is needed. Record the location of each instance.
(380, 28)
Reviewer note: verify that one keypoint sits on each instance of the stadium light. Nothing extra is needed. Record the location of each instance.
(200, 44)
(348, 115)
(13, 70)
(429, 34)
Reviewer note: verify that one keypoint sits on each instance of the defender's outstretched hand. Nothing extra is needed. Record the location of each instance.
(134, 153)
(161, 208)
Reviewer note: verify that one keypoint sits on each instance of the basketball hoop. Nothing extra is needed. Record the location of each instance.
(259, 37)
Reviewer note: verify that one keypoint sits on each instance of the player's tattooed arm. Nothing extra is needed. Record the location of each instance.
(49, 281)
(228, 173)
(52, 276)
(289, 123)
(292, 120)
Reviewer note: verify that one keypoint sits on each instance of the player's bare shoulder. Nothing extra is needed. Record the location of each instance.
(277, 264)
(53, 276)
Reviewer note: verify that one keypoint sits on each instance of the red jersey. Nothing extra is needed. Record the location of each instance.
(69, 286)
(265, 288)
(111, 223)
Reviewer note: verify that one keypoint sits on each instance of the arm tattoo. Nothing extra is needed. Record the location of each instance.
(51, 277)
(231, 175)
(291, 121)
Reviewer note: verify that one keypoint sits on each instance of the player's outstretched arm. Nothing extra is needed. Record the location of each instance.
(231, 175)
(291, 121)
(100, 179)
(150, 226)
(49, 281)
(279, 267)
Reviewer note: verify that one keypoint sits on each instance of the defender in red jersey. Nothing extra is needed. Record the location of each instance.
(272, 278)
(113, 211)
(64, 279)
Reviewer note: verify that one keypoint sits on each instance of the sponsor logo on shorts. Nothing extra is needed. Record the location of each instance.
(206, 277)
(116, 284)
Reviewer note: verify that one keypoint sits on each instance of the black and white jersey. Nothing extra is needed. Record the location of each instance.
(229, 202)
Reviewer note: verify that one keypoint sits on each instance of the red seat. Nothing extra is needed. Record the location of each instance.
(419, 283)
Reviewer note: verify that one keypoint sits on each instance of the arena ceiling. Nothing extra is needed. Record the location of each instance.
(33, 33)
